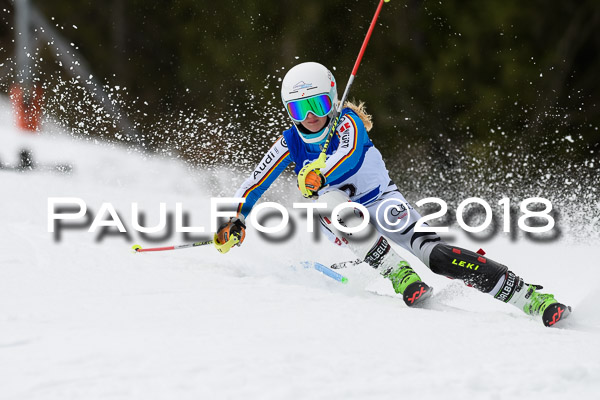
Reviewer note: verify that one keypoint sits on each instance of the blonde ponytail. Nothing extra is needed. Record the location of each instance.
(361, 111)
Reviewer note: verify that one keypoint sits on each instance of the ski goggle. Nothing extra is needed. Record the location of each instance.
(319, 105)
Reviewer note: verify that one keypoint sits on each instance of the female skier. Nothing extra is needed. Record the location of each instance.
(355, 172)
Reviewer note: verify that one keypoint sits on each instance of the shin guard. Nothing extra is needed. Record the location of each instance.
(475, 270)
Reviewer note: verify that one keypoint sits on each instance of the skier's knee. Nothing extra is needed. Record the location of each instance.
(474, 269)
(326, 231)
(346, 226)
(347, 222)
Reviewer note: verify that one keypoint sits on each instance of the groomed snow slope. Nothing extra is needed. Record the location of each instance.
(87, 320)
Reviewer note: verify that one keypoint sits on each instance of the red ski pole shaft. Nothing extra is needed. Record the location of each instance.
(360, 54)
(366, 41)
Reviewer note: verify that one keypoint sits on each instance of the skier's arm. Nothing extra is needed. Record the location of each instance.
(349, 156)
(269, 168)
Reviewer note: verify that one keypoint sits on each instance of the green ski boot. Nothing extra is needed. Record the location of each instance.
(545, 305)
(406, 282)
(528, 299)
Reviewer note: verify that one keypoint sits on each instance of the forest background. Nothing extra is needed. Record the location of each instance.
(451, 83)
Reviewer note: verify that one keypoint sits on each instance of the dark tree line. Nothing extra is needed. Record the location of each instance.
(462, 70)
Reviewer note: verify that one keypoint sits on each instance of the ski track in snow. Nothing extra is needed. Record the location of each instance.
(87, 320)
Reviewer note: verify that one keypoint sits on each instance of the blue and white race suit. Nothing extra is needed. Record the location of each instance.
(353, 165)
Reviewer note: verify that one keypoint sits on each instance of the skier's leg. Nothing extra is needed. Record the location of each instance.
(369, 245)
(491, 277)
(395, 218)
(399, 223)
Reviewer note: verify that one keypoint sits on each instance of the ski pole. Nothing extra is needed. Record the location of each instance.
(138, 249)
(320, 162)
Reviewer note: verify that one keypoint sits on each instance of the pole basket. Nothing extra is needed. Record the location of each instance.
(27, 105)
